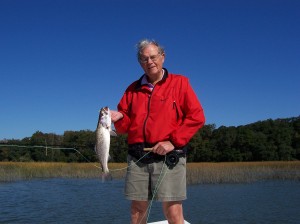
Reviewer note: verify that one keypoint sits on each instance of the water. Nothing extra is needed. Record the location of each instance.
(91, 201)
(270, 202)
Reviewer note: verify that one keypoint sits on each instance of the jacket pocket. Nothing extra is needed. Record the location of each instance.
(177, 109)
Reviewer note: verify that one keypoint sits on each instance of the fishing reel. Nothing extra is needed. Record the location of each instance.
(172, 159)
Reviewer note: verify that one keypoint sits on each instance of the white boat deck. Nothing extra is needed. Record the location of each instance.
(165, 222)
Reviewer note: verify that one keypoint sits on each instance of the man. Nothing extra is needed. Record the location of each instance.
(159, 111)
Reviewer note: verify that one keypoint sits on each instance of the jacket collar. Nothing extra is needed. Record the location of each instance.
(139, 82)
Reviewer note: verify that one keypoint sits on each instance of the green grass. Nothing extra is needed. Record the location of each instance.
(231, 172)
(13, 171)
(241, 172)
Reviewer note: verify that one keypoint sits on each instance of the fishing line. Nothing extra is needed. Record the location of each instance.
(157, 187)
(60, 148)
(134, 163)
(49, 147)
(160, 178)
(35, 146)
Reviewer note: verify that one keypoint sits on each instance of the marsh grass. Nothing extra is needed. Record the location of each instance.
(230, 172)
(242, 172)
(13, 171)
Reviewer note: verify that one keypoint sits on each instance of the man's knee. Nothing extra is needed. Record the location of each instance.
(173, 212)
(139, 206)
(138, 211)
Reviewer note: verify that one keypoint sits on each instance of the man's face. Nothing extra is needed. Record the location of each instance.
(152, 61)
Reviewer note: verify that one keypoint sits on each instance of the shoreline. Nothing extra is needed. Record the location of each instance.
(197, 173)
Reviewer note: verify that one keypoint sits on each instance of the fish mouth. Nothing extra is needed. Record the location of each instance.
(104, 111)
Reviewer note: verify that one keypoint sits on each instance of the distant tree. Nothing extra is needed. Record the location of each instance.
(260, 141)
(223, 140)
(118, 148)
(296, 138)
(244, 142)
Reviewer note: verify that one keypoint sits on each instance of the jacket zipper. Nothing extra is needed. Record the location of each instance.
(148, 111)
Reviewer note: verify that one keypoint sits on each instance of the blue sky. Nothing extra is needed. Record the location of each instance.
(61, 61)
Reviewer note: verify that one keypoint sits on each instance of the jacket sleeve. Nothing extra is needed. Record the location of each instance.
(192, 116)
(123, 124)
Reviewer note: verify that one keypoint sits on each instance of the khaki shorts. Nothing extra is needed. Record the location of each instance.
(155, 181)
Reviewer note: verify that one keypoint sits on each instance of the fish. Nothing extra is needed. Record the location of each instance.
(102, 146)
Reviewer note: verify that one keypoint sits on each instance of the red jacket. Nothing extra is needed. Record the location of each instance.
(170, 112)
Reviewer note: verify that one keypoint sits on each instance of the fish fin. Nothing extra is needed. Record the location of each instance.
(106, 177)
(113, 133)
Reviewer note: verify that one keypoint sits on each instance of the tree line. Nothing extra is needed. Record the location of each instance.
(268, 140)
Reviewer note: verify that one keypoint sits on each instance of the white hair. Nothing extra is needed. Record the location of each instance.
(146, 42)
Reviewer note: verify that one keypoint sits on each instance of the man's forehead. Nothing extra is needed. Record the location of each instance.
(150, 47)
(149, 50)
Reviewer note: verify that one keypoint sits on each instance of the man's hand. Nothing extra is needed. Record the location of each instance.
(115, 115)
(162, 148)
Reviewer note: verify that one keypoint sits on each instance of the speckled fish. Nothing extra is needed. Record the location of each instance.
(103, 133)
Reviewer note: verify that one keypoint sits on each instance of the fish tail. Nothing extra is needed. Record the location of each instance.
(106, 177)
